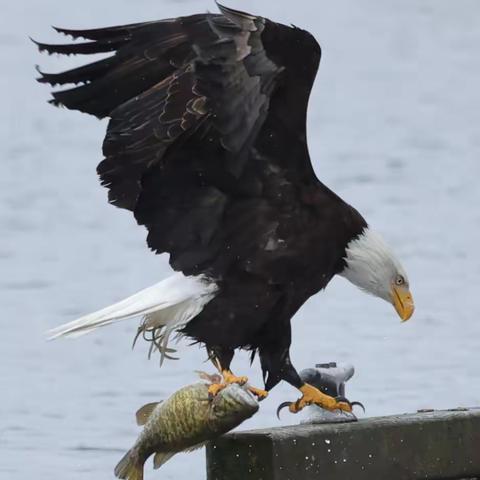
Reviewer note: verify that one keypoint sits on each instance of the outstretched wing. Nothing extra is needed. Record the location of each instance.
(206, 142)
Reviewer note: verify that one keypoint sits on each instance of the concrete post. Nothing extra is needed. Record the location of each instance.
(430, 445)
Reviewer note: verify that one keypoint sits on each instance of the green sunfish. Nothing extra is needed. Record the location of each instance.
(185, 422)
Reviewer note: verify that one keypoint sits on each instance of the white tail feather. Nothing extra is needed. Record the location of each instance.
(170, 303)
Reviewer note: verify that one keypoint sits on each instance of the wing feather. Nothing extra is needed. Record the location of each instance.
(206, 142)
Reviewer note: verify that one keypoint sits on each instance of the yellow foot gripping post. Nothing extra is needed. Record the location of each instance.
(312, 395)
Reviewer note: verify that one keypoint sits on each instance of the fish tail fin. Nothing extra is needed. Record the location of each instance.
(169, 303)
(129, 468)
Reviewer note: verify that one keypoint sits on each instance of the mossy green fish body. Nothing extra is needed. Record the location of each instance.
(185, 421)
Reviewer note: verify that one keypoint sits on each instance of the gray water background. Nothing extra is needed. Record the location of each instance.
(394, 128)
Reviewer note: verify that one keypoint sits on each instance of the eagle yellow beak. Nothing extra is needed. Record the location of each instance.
(403, 302)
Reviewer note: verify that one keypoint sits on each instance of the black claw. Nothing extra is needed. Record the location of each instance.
(281, 407)
(360, 404)
(352, 404)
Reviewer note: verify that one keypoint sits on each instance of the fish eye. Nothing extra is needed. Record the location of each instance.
(400, 280)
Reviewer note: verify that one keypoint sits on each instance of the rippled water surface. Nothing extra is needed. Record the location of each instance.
(394, 127)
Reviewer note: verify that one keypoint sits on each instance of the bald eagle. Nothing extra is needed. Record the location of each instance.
(206, 145)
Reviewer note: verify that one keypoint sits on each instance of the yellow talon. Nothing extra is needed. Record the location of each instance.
(215, 388)
(229, 377)
(259, 393)
(313, 395)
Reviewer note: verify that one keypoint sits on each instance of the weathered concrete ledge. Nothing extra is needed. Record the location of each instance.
(428, 445)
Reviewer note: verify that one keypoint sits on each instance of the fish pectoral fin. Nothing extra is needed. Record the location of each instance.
(195, 447)
(161, 457)
(144, 412)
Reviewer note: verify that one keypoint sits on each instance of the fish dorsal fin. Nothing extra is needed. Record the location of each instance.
(144, 412)
(161, 457)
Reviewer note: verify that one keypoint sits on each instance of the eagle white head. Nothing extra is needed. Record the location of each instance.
(372, 266)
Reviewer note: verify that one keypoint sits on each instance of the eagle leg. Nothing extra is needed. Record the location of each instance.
(229, 378)
(312, 395)
(222, 358)
(277, 365)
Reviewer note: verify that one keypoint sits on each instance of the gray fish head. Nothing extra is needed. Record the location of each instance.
(231, 406)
